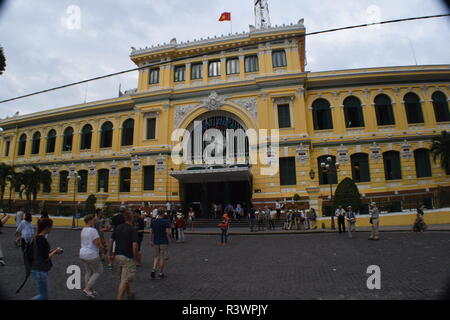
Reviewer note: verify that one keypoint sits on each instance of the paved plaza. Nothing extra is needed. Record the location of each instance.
(291, 266)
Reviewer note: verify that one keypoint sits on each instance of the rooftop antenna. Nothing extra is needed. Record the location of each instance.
(262, 17)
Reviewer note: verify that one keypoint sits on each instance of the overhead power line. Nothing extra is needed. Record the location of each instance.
(200, 55)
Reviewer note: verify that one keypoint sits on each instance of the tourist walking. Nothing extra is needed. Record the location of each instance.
(125, 254)
(2, 222)
(117, 220)
(278, 209)
(102, 225)
(191, 218)
(419, 223)
(91, 245)
(139, 225)
(375, 221)
(289, 219)
(252, 219)
(260, 216)
(313, 218)
(181, 225)
(350, 217)
(224, 226)
(26, 231)
(239, 211)
(19, 217)
(340, 215)
(270, 218)
(159, 240)
(42, 258)
(173, 226)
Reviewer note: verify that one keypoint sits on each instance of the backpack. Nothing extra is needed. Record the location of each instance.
(29, 254)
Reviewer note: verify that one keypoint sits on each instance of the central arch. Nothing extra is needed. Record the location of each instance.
(202, 186)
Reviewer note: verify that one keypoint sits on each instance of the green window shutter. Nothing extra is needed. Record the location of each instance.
(392, 166)
(279, 58)
(149, 178)
(422, 160)
(284, 116)
(196, 71)
(413, 108)
(440, 105)
(287, 172)
(151, 127)
(322, 115)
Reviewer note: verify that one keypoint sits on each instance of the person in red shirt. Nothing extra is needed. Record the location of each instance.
(224, 228)
(181, 224)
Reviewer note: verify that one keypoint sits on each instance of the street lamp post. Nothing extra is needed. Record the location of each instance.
(329, 167)
(76, 177)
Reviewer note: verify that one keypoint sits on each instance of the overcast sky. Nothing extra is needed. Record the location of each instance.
(44, 47)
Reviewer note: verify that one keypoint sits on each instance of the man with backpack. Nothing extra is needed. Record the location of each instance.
(2, 222)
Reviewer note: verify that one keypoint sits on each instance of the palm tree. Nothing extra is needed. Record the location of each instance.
(33, 180)
(5, 172)
(15, 180)
(440, 149)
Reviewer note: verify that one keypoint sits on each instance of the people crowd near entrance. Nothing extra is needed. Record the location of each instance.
(164, 225)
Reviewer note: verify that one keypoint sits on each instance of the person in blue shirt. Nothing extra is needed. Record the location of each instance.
(159, 240)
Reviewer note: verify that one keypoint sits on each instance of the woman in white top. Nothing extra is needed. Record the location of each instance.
(89, 254)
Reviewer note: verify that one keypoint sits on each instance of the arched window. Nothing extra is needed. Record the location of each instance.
(63, 183)
(423, 165)
(47, 185)
(106, 135)
(36, 143)
(83, 182)
(413, 108)
(383, 109)
(392, 166)
(322, 115)
(127, 132)
(125, 179)
(51, 141)
(103, 180)
(86, 137)
(22, 145)
(67, 139)
(326, 177)
(440, 105)
(360, 167)
(353, 113)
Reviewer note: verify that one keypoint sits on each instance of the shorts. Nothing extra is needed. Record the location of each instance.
(126, 268)
(162, 251)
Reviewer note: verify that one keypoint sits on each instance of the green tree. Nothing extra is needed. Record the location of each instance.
(32, 182)
(90, 204)
(15, 180)
(440, 149)
(2, 61)
(5, 173)
(347, 194)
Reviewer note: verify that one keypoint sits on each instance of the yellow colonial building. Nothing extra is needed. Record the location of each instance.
(377, 123)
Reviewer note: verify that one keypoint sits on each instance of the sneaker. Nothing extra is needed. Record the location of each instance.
(2, 263)
(152, 275)
(89, 294)
(162, 276)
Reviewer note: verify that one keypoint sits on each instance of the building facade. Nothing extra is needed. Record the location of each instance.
(377, 123)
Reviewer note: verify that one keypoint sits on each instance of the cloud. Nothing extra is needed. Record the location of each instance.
(42, 52)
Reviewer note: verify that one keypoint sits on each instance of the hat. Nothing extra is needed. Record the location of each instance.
(372, 203)
(179, 215)
(349, 207)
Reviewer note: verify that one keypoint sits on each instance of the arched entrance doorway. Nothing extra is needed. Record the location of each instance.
(203, 184)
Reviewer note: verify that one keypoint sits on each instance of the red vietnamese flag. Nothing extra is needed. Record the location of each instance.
(226, 16)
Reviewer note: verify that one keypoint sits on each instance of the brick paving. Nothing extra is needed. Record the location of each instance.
(291, 266)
